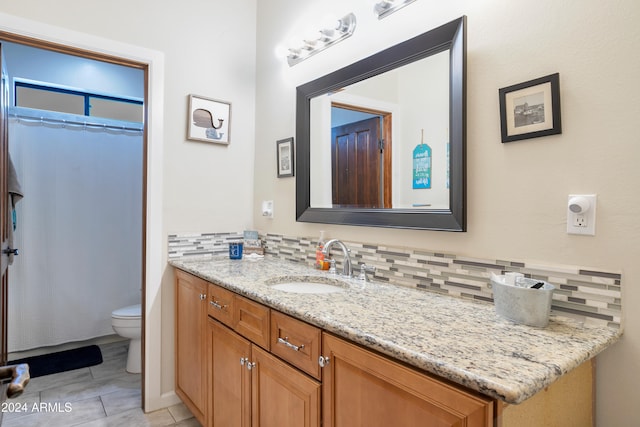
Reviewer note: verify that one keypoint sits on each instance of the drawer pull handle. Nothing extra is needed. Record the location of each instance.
(217, 305)
(286, 342)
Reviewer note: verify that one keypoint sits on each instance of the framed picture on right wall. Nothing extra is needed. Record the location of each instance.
(530, 109)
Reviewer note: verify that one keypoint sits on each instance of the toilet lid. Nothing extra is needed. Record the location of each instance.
(128, 312)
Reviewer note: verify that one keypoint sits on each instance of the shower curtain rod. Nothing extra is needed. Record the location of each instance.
(77, 123)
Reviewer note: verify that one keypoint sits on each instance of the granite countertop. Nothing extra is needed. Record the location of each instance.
(461, 340)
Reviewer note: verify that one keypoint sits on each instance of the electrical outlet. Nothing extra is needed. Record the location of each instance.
(581, 214)
(580, 221)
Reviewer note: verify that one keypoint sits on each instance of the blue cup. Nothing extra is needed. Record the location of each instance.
(235, 250)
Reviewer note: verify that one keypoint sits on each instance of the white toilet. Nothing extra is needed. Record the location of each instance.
(127, 322)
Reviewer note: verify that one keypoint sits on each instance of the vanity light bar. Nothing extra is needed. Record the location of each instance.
(387, 7)
(342, 29)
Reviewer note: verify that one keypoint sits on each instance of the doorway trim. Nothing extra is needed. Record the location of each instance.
(97, 47)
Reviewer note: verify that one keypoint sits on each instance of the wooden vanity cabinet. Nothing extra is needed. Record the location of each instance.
(191, 349)
(251, 387)
(362, 388)
(246, 386)
(282, 396)
(241, 364)
(229, 380)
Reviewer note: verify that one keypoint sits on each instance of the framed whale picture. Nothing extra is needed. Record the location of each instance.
(209, 120)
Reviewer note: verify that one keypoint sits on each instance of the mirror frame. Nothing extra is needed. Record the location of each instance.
(450, 36)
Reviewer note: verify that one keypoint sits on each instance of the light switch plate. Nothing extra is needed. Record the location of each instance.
(267, 209)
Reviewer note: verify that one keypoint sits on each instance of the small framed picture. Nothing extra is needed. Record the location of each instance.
(209, 120)
(530, 109)
(285, 157)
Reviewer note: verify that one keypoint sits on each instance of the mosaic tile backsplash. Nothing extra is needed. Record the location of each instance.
(200, 245)
(592, 296)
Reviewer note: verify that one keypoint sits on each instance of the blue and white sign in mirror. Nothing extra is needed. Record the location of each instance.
(422, 166)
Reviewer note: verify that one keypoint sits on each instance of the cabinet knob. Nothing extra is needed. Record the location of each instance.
(203, 297)
(323, 361)
(244, 361)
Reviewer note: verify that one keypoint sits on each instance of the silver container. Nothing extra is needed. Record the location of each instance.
(522, 304)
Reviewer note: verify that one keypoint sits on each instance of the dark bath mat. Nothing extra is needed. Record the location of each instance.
(62, 361)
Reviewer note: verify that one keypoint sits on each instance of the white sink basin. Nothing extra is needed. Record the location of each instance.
(307, 284)
(307, 288)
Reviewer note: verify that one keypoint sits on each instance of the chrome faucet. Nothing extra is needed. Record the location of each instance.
(346, 263)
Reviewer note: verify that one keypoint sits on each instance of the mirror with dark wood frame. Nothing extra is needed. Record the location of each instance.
(451, 216)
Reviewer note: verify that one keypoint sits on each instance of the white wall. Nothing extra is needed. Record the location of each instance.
(194, 46)
(425, 110)
(517, 192)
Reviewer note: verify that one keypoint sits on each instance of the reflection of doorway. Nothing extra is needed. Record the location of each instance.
(361, 158)
(355, 164)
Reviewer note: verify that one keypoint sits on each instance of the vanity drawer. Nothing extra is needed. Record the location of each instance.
(221, 304)
(252, 321)
(296, 342)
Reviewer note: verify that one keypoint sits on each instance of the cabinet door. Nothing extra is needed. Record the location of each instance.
(230, 401)
(362, 388)
(282, 396)
(191, 314)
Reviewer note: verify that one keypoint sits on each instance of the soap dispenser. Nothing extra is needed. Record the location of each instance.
(321, 263)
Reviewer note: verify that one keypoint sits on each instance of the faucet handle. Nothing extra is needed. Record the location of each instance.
(364, 269)
(332, 266)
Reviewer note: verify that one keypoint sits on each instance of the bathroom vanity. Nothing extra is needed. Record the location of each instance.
(368, 354)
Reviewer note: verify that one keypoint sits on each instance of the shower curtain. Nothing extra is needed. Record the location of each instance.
(79, 231)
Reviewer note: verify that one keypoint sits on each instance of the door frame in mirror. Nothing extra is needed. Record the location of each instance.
(450, 36)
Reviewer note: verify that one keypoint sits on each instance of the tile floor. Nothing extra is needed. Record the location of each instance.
(98, 396)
